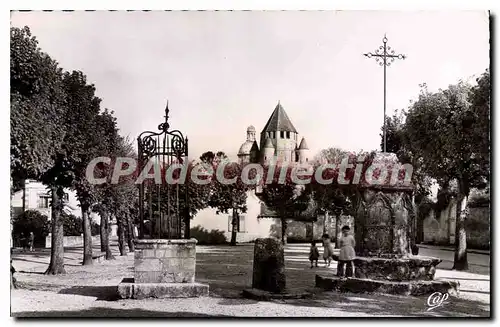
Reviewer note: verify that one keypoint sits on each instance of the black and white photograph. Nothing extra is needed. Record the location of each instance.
(250, 164)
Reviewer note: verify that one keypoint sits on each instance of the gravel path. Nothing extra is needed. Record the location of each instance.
(91, 290)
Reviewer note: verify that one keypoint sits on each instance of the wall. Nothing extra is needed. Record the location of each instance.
(478, 227)
(72, 241)
(441, 229)
(255, 228)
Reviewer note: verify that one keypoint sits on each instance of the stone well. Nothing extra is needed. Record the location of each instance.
(384, 233)
(163, 268)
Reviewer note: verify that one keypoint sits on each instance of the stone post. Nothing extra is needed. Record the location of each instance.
(269, 265)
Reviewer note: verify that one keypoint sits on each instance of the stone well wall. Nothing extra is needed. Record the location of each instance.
(165, 261)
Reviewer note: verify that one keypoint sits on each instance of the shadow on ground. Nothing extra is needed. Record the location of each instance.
(101, 293)
(112, 313)
(382, 304)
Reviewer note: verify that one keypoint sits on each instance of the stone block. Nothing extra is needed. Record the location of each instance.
(160, 253)
(148, 253)
(127, 289)
(189, 264)
(148, 276)
(397, 269)
(171, 264)
(138, 255)
(269, 265)
(359, 285)
(148, 264)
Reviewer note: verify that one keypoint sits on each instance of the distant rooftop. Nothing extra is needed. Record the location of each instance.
(279, 121)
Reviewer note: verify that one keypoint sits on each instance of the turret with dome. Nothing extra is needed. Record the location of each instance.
(278, 141)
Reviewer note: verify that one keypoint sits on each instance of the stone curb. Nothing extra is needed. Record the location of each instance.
(261, 295)
(414, 288)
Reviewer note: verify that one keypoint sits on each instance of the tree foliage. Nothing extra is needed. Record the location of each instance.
(37, 108)
(446, 137)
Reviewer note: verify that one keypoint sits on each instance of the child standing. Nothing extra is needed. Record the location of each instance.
(347, 254)
(313, 254)
(327, 249)
(31, 241)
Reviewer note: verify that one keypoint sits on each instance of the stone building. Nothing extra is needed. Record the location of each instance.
(36, 196)
(279, 140)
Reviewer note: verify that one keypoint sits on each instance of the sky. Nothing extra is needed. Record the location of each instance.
(223, 71)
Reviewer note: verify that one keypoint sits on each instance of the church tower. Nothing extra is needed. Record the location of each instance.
(281, 134)
(249, 151)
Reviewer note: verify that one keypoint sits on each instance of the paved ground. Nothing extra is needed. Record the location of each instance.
(91, 290)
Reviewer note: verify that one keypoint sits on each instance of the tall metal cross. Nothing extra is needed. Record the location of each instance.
(385, 56)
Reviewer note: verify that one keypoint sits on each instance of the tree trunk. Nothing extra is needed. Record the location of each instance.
(234, 228)
(103, 232)
(284, 225)
(121, 236)
(337, 231)
(56, 265)
(130, 235)
(11, 214)
(460, 261)
(326, 223)
(105, 240)
(87, 236)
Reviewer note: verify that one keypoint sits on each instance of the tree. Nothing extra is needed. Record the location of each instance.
(398, 143)
(103, 204)
(84, 135)
(331, 198)
(224, 197)
(38, 130)
(448, 131)
(286, 198)
(124, 197)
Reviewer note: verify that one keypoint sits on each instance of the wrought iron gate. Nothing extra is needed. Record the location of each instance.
(163, 207)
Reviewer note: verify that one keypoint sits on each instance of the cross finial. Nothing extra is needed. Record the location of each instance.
(166, 112)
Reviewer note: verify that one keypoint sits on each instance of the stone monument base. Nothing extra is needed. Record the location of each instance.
(127, 289)
(163, 268)
(363, 285)
(396, 269)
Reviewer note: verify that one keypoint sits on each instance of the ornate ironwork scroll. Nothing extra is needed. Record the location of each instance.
(162, 206)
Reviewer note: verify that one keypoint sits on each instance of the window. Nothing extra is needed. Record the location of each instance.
(282, 134)
(43, 202)
(287, 135)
